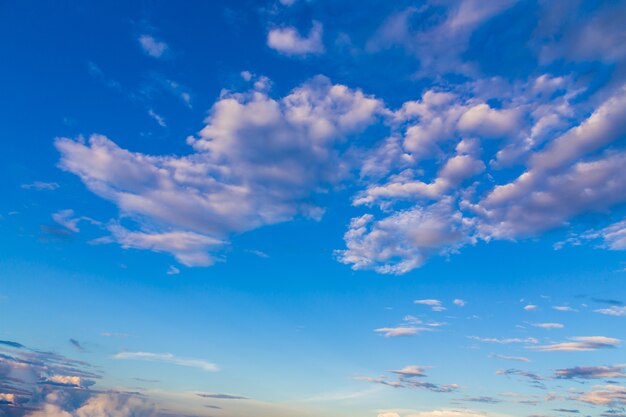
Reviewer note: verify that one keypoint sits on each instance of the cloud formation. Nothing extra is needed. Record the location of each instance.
(168, 358)
(288, 41)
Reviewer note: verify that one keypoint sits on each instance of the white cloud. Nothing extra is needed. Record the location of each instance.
(530, 307)
(548, 325)
(152, 47)
(582, 343)
(288, 41)
(168, 358)
(400, 331)
(527, 340)
(403, 241)
(612, 311)
(435, 305)
(458, 302)
(41, 185)
(190, 205)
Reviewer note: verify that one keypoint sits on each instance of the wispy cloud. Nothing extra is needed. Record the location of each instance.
(153, 47)
(287, 40)
(168, 358)
(582, 343)
(511, 358)
(592, 372)
(548, 325)
(40, 186)
(529, 340)
(435, 305)
(612, 311)
(400, 331)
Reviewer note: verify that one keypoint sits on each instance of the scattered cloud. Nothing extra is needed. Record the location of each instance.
(612, 311)
(288, 41)
(592, 372)
(167, 358)
(152, 47)
(582, 343)
(41, 186)
(548, 325)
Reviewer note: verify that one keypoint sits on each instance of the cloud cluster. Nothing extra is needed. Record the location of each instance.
(257, 161)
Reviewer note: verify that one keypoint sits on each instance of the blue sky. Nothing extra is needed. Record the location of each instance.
(313, 207)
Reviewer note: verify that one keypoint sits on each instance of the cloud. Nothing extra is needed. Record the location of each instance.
(77, 345)
(288, 41)
(152, 47)
(400, 331)
(604, 395)
(109, 405)
(168, 358)
(410, 371)
(458, 302)
(188, 206)
(403, 241)
(41, 186)
(528, 340)
(564, 308)
(592, 372)
(222, 396)
(612, 311)
(583, 343)
(435, 305)
(172, 270)
(548, 325)
(511, 358)
(530, 307)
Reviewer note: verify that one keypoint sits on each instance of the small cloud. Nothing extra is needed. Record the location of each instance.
(222, 396)
(41, 186)
(529, 340)
(459, 302)
(435, 305)
(116, 335)
(548, 325)
(172, 270)
(530, 307)
(612, 311)
(511, 358)
(400, 331)
(564, 308)
(167, 358)
(410, 371)
(157, 118)
(152, 46)
(288, 41)
(77, 345)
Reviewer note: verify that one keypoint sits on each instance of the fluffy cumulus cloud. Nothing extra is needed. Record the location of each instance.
(464, 160)
(288, 41)
(258, 161)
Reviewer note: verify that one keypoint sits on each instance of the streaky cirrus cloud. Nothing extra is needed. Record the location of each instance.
(582, 343)
(168, 358)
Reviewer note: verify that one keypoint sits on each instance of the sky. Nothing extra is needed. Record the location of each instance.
(303, 208)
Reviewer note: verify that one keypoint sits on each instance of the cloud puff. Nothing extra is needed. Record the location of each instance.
(582, 343)
(403, 241)
(152, 47)
(168, 358)
(288, 41)
(257, 161)
(548, 325)
(612, 311)
(400, 331)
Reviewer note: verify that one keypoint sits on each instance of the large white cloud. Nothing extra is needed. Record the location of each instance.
(257, 161)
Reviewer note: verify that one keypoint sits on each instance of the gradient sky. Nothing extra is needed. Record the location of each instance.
(299, 208)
